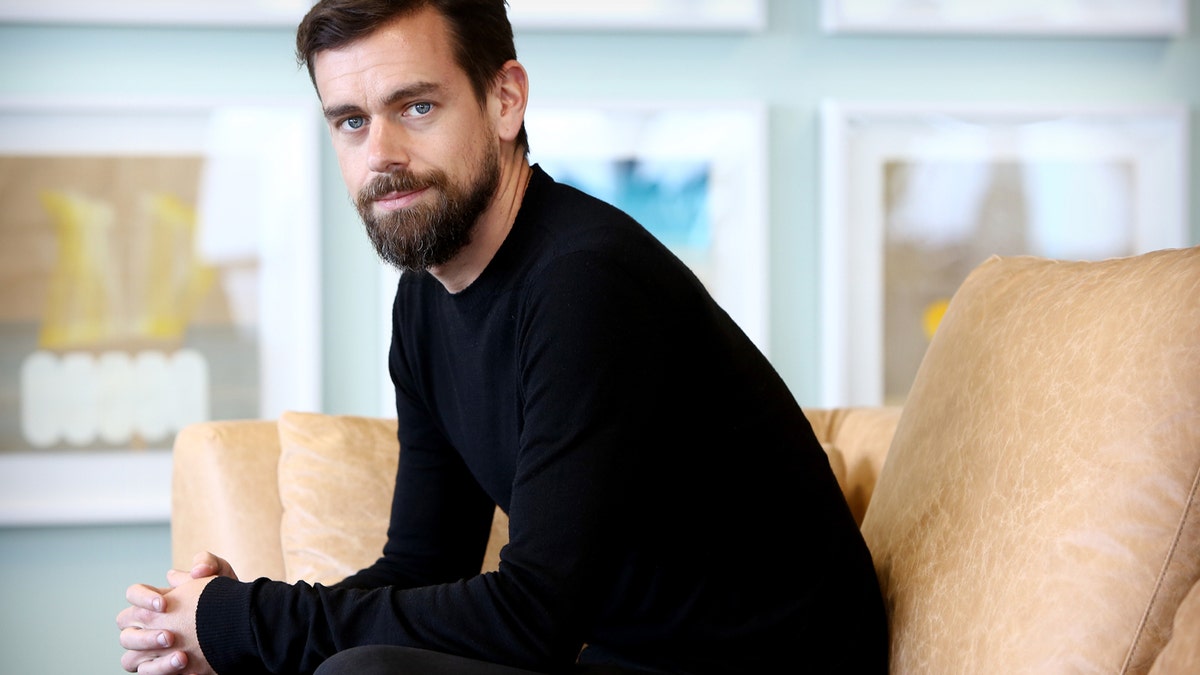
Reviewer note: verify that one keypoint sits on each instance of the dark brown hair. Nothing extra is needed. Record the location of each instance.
(481, 34)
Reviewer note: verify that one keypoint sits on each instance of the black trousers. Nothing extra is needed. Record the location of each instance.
(388, 660)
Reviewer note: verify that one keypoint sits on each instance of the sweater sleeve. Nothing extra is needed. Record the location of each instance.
(580, 483)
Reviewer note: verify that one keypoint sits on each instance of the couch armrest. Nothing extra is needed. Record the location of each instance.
(857, 442)
(225, 496)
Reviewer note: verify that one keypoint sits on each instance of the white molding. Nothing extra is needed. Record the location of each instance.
(206, 13)
(639, 15)
(1130, 18)
(531, 15)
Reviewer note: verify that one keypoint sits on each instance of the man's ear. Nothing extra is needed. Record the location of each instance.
(511, 93)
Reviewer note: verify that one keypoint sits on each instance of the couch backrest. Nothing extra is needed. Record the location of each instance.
(1038, 510)
(308, 496)
(336, 478)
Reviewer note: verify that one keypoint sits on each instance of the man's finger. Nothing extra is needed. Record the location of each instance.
(154, 663)
(208, 565)
(178, 577)
(136, 617)
(145, 597)
(147, 640)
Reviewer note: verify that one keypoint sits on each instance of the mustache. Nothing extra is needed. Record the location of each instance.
(400, 181)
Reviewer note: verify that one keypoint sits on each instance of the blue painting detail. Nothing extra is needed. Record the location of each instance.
(669, 198)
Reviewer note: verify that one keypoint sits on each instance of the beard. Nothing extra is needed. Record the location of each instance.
(426, 235)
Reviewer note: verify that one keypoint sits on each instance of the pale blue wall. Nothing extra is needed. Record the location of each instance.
(61, 588)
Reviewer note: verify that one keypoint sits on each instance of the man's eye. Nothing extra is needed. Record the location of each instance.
(354, 123)
(421, 108)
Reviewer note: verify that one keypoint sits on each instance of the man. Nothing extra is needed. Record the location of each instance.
(670, 509)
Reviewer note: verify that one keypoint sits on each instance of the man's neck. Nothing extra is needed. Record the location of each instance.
(491, 229)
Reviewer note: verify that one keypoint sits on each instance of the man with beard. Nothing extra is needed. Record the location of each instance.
(670, 509)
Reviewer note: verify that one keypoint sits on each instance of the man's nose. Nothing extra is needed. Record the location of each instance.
(387, 148)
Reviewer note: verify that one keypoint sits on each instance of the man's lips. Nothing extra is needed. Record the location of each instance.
(393, 201)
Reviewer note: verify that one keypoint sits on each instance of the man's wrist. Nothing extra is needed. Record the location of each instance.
(224, 628)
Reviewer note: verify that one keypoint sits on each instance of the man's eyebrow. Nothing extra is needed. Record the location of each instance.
(339, 111)
(411, 91)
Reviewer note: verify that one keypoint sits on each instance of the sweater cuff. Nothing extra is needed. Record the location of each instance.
(223, 627)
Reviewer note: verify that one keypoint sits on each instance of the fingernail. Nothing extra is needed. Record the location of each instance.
(176, 661)
(162, 640)
(157, 604)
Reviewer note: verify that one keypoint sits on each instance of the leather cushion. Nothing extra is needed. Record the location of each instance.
(857, 441)
(336, 476)
(1038, 509)
(1181, 656)
(224, 497)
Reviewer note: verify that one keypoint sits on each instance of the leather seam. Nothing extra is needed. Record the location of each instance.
(1156, 596)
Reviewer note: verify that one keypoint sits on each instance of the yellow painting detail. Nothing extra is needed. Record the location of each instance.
(98, 297)
(931, 318)
(77, 307)
(177, 280)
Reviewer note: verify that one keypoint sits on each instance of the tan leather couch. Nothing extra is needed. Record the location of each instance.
(1038, 510)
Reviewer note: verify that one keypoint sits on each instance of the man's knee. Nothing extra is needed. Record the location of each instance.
(391, 660)
(370, 660)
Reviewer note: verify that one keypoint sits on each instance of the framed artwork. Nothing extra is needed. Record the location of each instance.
(159, 12)
(695, 176)
(1147, 18)
(916, 196)
(683, 15)
(158, 267)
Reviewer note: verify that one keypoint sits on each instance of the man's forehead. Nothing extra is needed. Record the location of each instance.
(408, 49)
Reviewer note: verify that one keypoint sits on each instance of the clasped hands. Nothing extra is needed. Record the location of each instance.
(158, 629)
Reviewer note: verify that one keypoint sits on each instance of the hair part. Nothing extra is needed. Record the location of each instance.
(480, 33)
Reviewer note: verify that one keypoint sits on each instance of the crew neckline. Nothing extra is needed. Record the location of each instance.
(494, 273)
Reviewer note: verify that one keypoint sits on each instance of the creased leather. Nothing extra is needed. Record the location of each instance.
(1037, 512)
(224, 498)
(1181, 656)
(336, 475)
(336, 478)
(856, 441)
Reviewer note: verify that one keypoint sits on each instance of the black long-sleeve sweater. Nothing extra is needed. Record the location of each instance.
(669, 504)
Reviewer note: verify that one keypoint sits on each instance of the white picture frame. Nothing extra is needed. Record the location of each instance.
(1090, 182)
(729, 140)
(258, 178)
(1129, 18)
(250, 13)
(639, 15)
